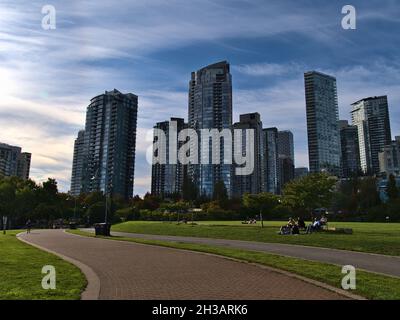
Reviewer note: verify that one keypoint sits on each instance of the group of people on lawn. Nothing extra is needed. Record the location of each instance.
(294, 226)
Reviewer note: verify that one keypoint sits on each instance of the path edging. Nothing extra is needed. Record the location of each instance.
(92, 290)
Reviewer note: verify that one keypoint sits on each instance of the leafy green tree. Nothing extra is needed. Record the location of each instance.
(190, 191)
(263, 203)
(368, 195)
(392, 191)
(220, 194)
(309, 192)
(7, 199)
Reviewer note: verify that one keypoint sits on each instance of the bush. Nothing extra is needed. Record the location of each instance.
(127, 214)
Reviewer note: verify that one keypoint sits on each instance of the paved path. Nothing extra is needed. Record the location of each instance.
(389, 265)
(135, 271)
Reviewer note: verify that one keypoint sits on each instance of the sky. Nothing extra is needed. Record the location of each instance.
(150, 48)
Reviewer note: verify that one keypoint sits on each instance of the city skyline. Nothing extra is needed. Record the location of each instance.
(47, 108)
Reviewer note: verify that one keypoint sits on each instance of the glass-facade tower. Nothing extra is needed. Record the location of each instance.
(109, 144)
(210, 107)
(322, 123)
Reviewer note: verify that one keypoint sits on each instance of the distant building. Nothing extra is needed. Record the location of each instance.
(108, 151)
(270, 173)
(210, 107)
(13, 162)
(251, 183)
(371, 116)
(286, 170)
(285, 144)
(78, 164)
(24, 165)
(350, 150)
(300, 172)
(285, 157)
(322, 123)
(389, 159)
(167, 178)
(382, 188)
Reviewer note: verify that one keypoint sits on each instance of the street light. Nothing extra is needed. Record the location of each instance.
(106, 194)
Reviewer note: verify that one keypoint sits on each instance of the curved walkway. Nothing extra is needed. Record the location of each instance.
(135, 271)
(378, 263)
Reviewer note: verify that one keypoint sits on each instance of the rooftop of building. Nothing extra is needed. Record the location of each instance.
(368, 99)
(313, 72)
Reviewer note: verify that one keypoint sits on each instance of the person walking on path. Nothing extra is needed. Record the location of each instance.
(28, 226)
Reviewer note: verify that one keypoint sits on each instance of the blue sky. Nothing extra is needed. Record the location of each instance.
(149, 47)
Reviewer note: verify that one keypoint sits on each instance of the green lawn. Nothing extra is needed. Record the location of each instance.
(21, 277)
(369, 285)
(383, 238)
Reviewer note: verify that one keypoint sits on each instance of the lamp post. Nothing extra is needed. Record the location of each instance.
(107, 194)
(4, 224)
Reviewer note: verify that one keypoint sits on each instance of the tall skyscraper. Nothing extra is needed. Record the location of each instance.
(109, 145)
(285, 157)
(285, 144)
(210, 107)
(350, 151)
(78, 164)
(371, 116)
(270, 168)
(322, 123)
(13, 162)
(251, 183)
(167, 178)
(389, 159)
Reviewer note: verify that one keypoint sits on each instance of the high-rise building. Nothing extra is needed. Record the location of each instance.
(270, 168)
(285, 144)
(167, 178)
(210, 107)
(322, 123)
(371, 116)
(389, 159)
(300, 172)
(350, 151)
(78, 164)
(286, 170)
(108, 150)
(13, 162)
(251, 183)
(24, 165)
(285, 157)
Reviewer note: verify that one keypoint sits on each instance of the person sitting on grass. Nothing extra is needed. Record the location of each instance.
(316, 225)
(287, 229)
(301, 224)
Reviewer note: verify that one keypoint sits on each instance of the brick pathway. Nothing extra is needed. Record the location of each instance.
(134, 271)
(378, 263)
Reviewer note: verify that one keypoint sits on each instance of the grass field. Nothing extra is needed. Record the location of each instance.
(383, 238)
(369, 285)
(21, 277)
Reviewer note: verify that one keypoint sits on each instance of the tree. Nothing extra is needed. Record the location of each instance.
(220, 194)
(392, 191)
(189, 190)
(309, 192)
(7, 199)
(263, 203)
(368, 195)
